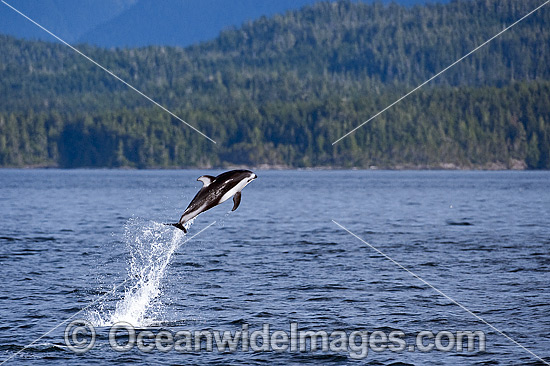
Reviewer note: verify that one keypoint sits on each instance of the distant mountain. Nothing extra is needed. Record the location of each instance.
(69, 19)
(181, 22)
(277, 91)
(109, 23)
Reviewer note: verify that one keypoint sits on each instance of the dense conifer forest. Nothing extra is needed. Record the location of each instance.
(278, 91)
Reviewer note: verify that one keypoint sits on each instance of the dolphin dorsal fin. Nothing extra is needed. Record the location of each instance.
(206, 180)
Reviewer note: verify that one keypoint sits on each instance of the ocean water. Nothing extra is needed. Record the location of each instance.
(90, 245)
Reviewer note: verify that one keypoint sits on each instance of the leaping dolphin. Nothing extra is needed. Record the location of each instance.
(216, 190)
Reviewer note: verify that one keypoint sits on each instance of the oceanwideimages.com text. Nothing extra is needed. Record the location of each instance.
(123, 337)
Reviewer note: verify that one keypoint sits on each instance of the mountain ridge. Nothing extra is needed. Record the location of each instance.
(137, 23)
(67, 19)
(279, 90)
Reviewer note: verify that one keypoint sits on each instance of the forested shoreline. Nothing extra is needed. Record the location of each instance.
(278, 91)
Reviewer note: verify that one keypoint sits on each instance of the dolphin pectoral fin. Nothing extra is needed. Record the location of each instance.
(236, 200)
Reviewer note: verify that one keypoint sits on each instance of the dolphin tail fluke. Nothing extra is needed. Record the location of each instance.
(179, 226)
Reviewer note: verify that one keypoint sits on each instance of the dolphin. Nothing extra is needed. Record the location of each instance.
(216, 190)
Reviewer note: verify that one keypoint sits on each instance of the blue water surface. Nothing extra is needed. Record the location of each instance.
(68, 238)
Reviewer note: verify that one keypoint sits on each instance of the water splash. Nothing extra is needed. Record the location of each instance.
(150, 248)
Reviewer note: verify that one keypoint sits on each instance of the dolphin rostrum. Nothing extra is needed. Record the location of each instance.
(216, 190)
